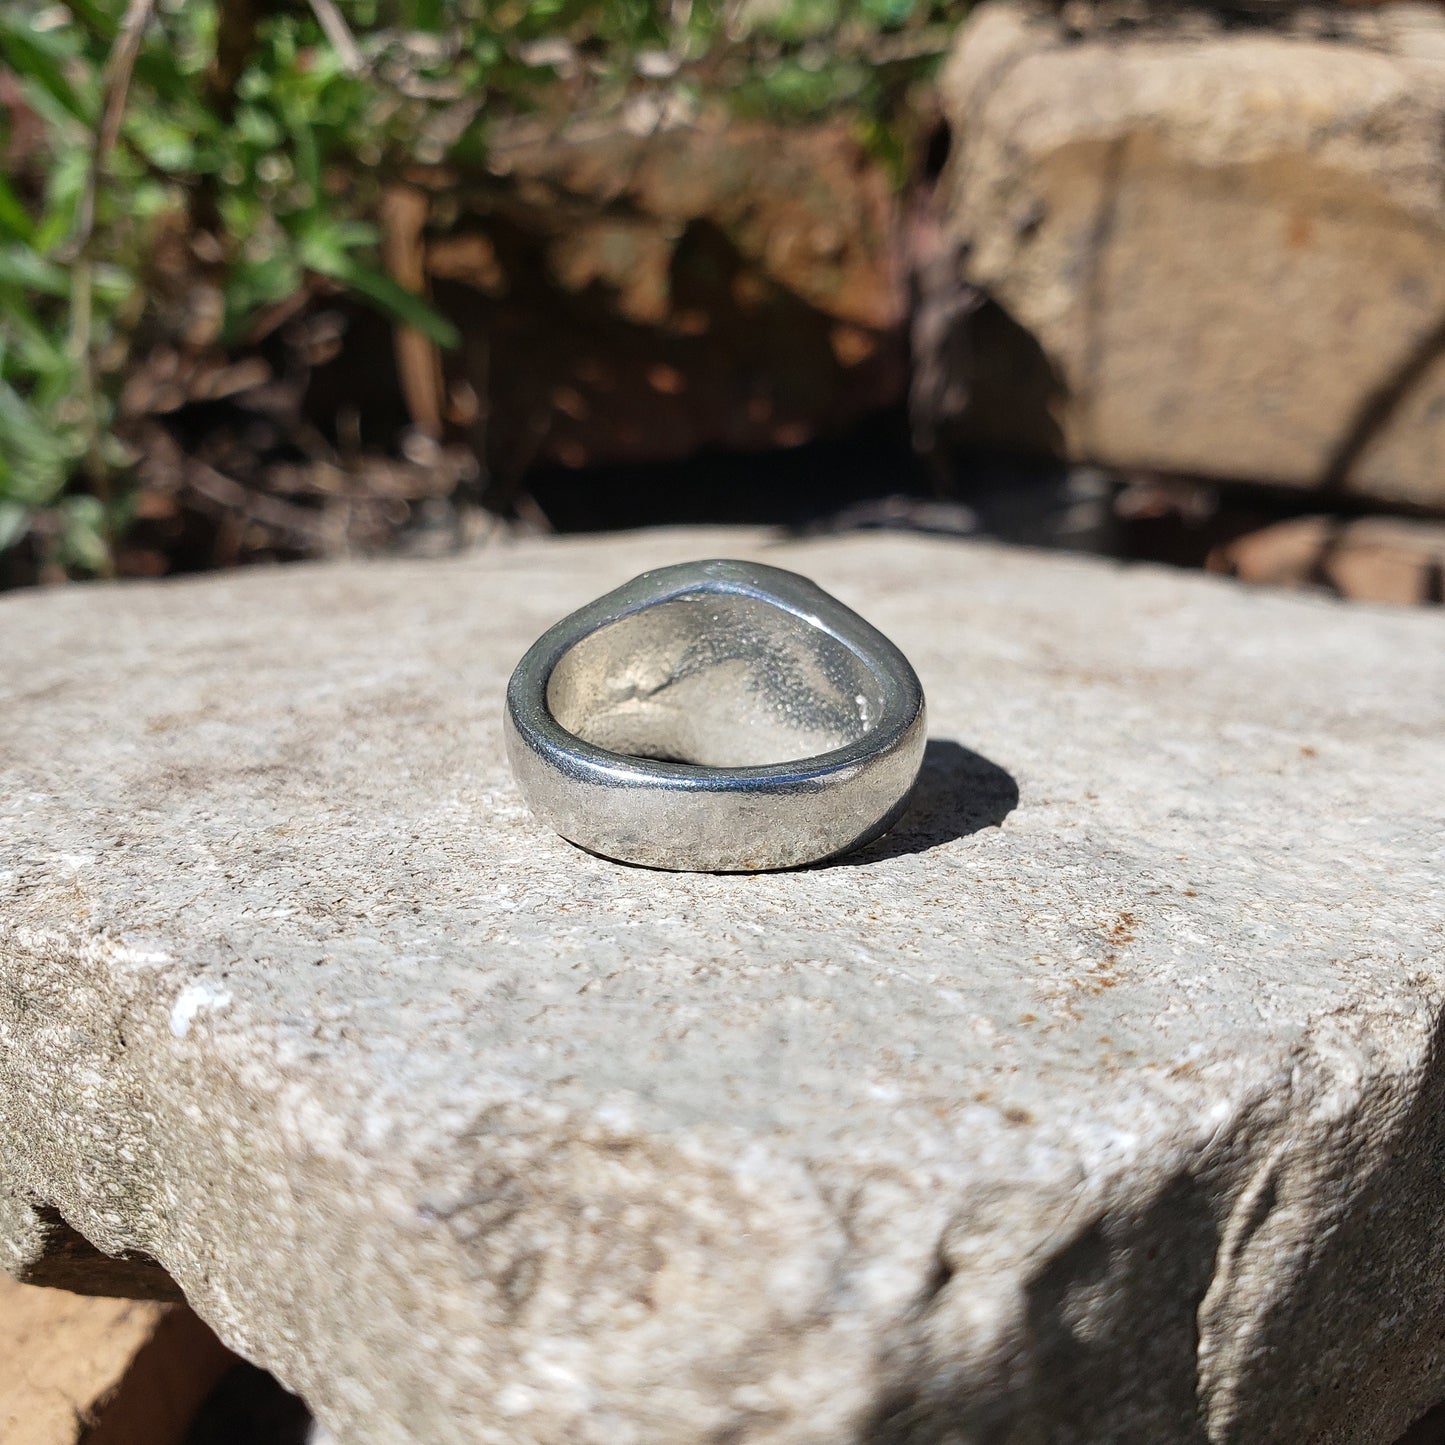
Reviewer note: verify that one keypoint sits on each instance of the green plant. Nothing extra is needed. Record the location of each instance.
(269, 127)
(48, 421)
(124, 153)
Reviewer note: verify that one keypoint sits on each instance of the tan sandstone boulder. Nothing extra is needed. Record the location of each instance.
(1367, 559)
(102, 1371)
(1229, 246)
(639, 297)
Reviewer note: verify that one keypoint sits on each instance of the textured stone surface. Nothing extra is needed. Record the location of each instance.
(100, 1371)
(1102, 1101)
(38, 1247)
(1219, 254)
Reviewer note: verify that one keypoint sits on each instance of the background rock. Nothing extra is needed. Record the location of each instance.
(78, 1371)
(1371, 559)
(645, 296)
(1207, 252)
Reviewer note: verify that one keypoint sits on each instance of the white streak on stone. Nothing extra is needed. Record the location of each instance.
(192, 1000)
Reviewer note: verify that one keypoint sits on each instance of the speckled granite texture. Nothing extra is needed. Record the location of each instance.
(1101, 1101)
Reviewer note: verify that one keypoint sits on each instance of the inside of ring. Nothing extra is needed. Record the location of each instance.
(719, 680)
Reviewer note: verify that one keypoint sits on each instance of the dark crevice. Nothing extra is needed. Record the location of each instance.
(936, 149)
(1381, 406)
(1096, 302)
(937, 1280)
(250, 1407)
(70, 1261)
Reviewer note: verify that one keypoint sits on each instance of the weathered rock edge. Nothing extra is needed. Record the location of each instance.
(441, 1255)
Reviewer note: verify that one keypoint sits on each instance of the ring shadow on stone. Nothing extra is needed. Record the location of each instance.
(959, 792)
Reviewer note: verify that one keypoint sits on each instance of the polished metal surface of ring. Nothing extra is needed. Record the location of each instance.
(716, 717)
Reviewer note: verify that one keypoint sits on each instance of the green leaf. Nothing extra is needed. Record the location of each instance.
(38, 463)
(425, 15)
(320, 248)
(308, 161)
(167, 145)
(100, 20)
(393, 300)
(14, 521)
(31, 55)
(160, 72)
(887, 14)
(149, 199)
(254, 284)
(83, 542)
(256, 128)
(14, 218)
(22, 267)
(111, 283)
(39, 351)
(352, 234)
(63, 190)
(24, 428)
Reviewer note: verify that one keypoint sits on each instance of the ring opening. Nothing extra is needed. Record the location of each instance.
(716, 679)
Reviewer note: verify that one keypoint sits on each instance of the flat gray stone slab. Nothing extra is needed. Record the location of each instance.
(1102, 1101)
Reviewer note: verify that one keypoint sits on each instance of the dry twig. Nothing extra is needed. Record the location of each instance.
(333, 25)
(115, 88)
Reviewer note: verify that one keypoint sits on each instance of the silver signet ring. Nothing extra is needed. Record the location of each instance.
(716, 717)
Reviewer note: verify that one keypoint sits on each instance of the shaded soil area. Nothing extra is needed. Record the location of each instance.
(250, 1407)
(303, 445)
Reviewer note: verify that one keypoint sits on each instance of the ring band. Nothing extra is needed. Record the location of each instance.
(716, 717)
